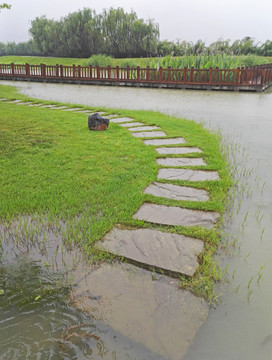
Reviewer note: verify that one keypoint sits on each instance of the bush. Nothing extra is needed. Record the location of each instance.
(99, 60)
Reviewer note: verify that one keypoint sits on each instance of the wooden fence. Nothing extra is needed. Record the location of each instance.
(256, 78)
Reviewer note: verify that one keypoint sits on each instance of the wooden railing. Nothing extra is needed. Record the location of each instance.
(255, 77)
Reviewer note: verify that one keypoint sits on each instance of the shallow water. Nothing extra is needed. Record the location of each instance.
(241, 325)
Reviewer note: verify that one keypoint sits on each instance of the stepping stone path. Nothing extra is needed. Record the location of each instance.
(175, 254)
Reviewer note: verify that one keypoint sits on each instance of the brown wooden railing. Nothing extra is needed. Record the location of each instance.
(245, 78)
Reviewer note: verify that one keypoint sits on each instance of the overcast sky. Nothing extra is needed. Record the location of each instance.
(188, 20)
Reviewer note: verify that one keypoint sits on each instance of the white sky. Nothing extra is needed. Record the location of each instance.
(188, 20)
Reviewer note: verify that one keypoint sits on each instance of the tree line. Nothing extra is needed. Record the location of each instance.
(119, 34)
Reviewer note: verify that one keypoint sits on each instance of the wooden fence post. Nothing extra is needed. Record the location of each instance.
(242, 75)
(57, 70)
(216, 75)
(42, 70)
(109, 72)
(12, 69)
(61, 71)
(91, 71)
(138, 74)
(147, 73)
(117, 72)
(74, 70)
(160, 74)
(27, 70)
(185, 75)
(192, 74)
(98, 72)
(79, 71)
(237, 76)
(210, 75)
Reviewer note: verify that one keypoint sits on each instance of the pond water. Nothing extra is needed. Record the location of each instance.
(241, 325)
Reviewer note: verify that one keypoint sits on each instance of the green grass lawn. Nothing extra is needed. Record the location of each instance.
(53, 168)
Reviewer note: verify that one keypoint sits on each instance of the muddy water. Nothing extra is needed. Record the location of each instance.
(241, 325)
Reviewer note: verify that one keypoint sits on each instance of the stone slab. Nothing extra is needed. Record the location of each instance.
(25, 103)
(173, 141)
(178, 150)
(49, 106)
(175, 254)
(55, 107)
(187, 174)
(32, 105)
(173, 215)
(14, 101)
(121, 120)
(72, 109)
(127, 125)
(149, 309)
(144, 128)
(148, 134)
(181, 162)
(176, 192)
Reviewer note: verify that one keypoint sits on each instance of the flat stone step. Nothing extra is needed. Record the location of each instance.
(55, 107)
(187, 174)
(34, 105)
(148, 134)
(14, 101)
(178, 150)
(127, 125)
(72, 109)
(144, 128)
(176, 192)
(155, 314)
(49, 106)
(181, 162)
(176, 254)
(121, 120)
(25, 103)
(173, 215)
(158, 142)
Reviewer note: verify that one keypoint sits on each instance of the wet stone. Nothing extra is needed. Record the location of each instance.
(176, 192)
(32, 105)
(187, 174)
(178, 150)
(154, 313)
(159, 142)
(176, 254)
(148, 134)
(132, 124)
(25, 103)
(181, 162)
(73, 109)
(50, 106)
(144, 128)
(173, 215)
(121, 120)
(58, 107)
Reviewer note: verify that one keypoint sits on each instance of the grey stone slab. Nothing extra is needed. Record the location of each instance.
(121, 120)
(3, 99)
(32, 105)
(25, 103)
(173, 141)
(111, 116)
(144, 128)
(187, 174)
(72, 109)
(148, 134)
(181, 162)
(173, 215)
(178, 150)
(14, 101)
(156, 314)
(55, 107)
(176, 192)
(50, 106)
(170, 252)
(127, 125)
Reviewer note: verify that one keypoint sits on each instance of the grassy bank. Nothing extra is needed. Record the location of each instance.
(202, 61)
(54, 170)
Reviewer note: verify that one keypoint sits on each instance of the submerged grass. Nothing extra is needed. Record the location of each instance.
(53, 169)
